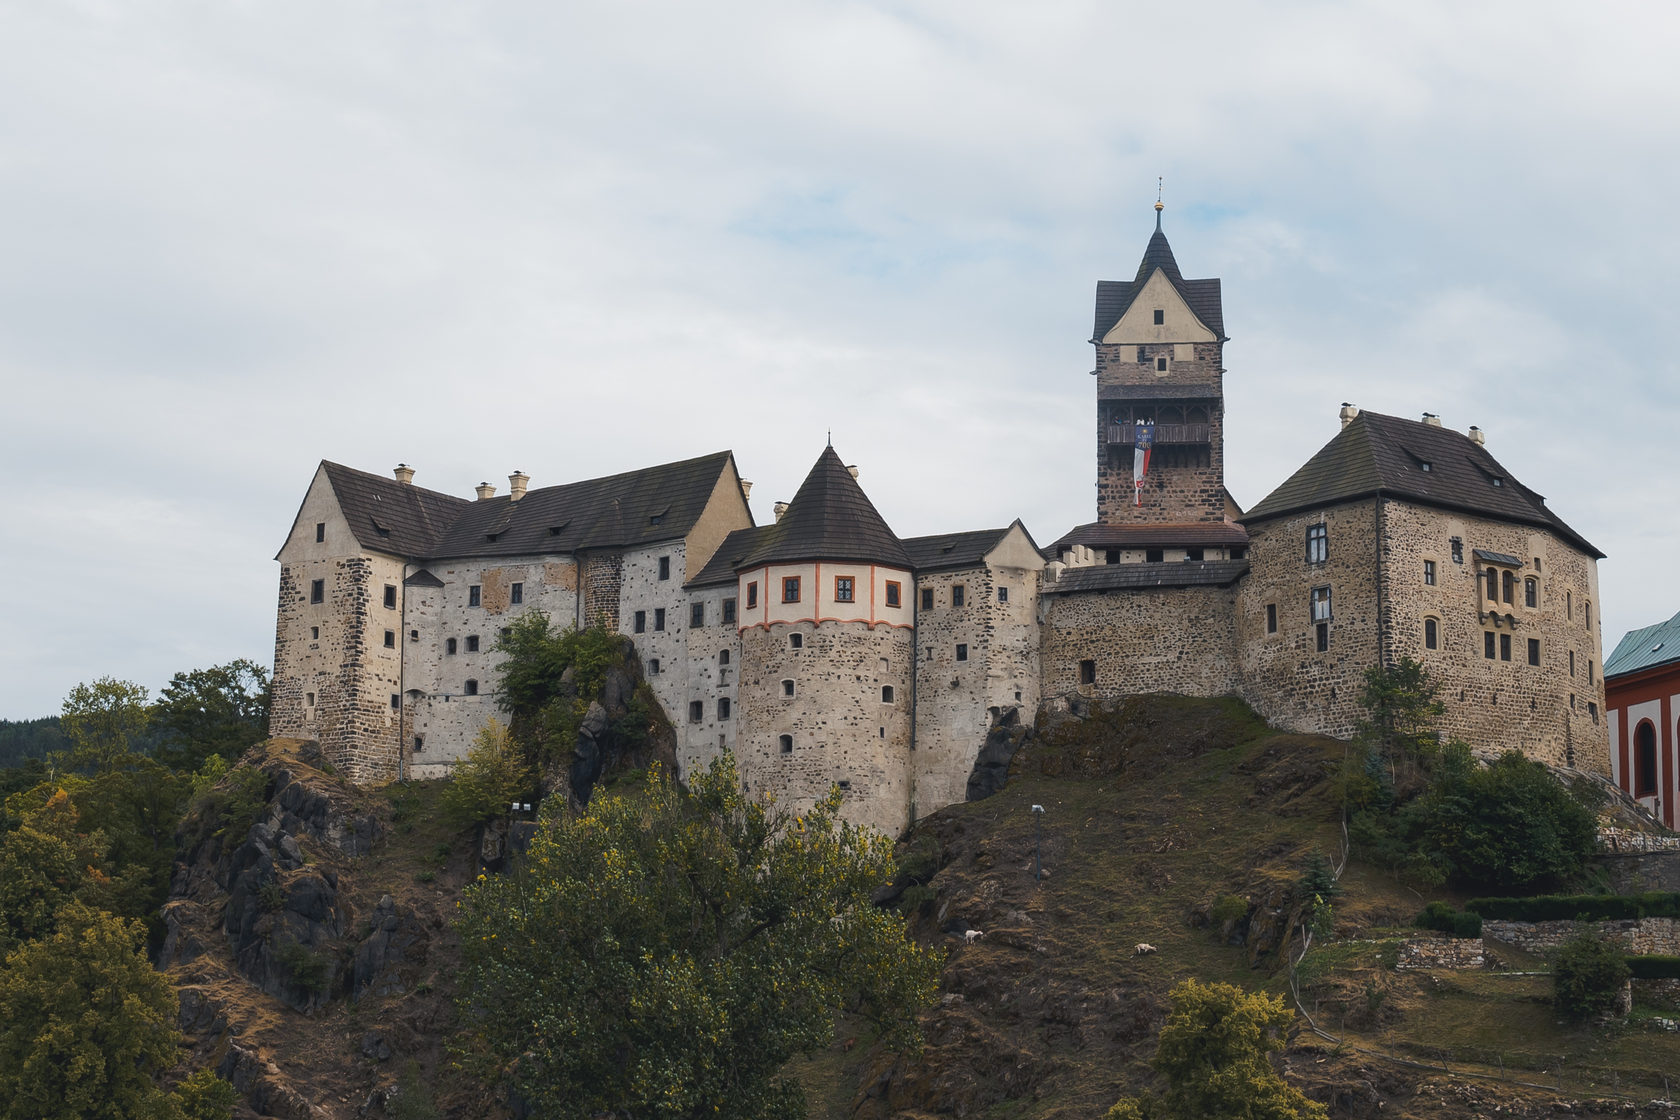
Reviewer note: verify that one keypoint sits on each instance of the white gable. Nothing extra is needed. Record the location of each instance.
(1179, 322)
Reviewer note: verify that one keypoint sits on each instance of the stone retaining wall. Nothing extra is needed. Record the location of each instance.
(1442, 952)
(1636, 936)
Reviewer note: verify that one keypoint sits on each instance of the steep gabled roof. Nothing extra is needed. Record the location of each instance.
(389, 516)
(620, 511)
(1115, 297)
(830, 518)
(1147, 577)
(1645, 648)
(1408, 459)
(953, 550)
(729, 557)
(1194, 534)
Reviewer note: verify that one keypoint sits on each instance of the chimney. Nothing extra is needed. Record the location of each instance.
(1348, 413)
(1476, 436)
(485, 491)
(517, 481)
(851, 470)
(780, 508)
(1432, 420)
(746, 489)
(404, 473)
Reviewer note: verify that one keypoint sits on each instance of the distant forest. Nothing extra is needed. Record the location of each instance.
(22, 739)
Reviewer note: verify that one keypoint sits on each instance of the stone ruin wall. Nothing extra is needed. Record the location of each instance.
(1171, 639)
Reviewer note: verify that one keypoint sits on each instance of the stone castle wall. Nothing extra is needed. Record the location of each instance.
(1185, 483)
(711, 675)
(1173, 639)
(840, 728)
(602, 577)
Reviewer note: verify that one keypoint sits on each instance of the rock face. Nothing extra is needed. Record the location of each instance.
(605, 742)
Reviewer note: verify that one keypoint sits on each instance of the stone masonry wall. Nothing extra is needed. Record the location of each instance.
(1179, 639)
(1184, 483)
(602, 576)
(1636, 936)
(951, 695)
(841, 730)
(710, 676)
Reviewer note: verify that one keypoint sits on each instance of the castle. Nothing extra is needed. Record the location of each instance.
(823, 648)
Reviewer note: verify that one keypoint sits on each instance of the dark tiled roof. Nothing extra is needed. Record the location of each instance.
(736, 547)
(620, 511)
(1193, 535)
(423, 578)
(389, 516)
(952, 550)
(830, 518)
(1114, 297)
(1497, 557)
(1385, 454)
(1147, 577)
(1645, 648)
(1162, 391)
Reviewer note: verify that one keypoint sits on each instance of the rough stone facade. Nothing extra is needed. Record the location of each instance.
(1175, 639)
(1636, 936)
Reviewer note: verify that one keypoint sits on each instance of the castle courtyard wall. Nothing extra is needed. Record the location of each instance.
(1171, 639)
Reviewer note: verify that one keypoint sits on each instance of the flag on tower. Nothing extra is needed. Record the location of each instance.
(1140, 457)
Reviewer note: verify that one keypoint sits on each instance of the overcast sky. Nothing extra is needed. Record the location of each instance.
(572, 238)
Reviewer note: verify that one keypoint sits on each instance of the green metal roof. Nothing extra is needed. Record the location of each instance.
(1645, 648)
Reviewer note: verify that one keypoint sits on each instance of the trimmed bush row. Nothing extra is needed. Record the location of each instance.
(1654, 967)
(1578, 907)
(1441, 916)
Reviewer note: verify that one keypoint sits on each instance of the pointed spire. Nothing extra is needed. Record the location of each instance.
(1160, 186)
(830, 518)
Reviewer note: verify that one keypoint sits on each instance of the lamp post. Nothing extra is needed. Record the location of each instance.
(1038, 837)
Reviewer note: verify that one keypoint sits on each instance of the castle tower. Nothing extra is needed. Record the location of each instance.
(828, 654)
(1160, 340)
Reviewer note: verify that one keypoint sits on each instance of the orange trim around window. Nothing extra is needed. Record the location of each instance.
(895, 593)
(851, 591)
(793, 583)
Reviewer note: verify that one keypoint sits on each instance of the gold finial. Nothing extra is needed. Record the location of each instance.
(1160, 186)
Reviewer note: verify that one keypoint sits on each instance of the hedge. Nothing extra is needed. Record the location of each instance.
(1579, 907)
(1654, 967)
(1441, 916)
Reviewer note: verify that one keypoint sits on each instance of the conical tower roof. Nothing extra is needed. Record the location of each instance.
(830, 518)
(1115, 297)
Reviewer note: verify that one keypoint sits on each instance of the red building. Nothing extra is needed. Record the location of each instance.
(1642, 695)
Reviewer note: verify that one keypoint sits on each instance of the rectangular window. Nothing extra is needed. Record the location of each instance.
(1504, 647)
(414, 635)
(927, 598)
(894, 593)
(1431, 634)
(396, 701)
(1531, 592)
(390, 639)
(310, 699)
(659, 618)
(1492, 584)
(1154, 555)
(1572, 663)
(314, 632)
(1142, 356)
(1457, 550)
(653, 666)
(1160, 365)
(1323, 629)
(723, 708)
(1271, 618)
(472, 643)
(1534, 651)
(419, 744)
(728, 611)
(1487, 644)
(752, 594)
(1318, 543)
(390, 597)
(696, 615)
(472, 688)
(320, 531)
(641, 622)
(962, 651)
(1194, 553)
(843, 586)
(959, 595)
(516, 593)
(664, 567)
(1320, 604)
(1589, 672)
(790, 589)
(1429, 572)
(1160, 316)
(449, 645)
(317, 591)
(1509, 582)
(474, 595)
(1088, 672)
(1003, 594)
(696, 711)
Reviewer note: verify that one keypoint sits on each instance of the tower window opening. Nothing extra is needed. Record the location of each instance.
(1160, 365)
(1160, 316)
(785, 742)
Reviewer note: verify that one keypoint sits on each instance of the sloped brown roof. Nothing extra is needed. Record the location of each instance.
(1195, 534)
(389, 516)
(729, 557)
(1147, 577)
(1115, 297)
(1377, 454)
(619, 511)
(830, 518)
(953, 550)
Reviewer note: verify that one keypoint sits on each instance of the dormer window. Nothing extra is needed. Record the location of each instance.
(1425, 466)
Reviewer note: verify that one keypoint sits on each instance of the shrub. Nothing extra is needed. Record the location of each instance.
(1654, 967)
(1442, 917)
(1229, 908)
(1578, 907)
(1587, 973)
(306, 969)
(492, 775)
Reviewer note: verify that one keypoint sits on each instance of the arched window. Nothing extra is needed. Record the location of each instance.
(786, 744)
(1510, 582)
(787, 687)
(886, 694)
(1644, 759)
(1431, 634)
(723, 657)
(1492, 585)
(796, 641)
(1531, 592)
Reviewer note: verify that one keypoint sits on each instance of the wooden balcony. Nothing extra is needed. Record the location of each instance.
(1124, 436)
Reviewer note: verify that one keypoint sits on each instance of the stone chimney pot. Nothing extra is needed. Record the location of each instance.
(746, 489)
(852, 471)
(1348, 413)
(780, 508)
(404, 474)
(1432, 420)
(486, 491)
(517, 482)
(1477, 437)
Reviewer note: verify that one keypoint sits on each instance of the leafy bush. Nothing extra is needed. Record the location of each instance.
(549, 677)
(492, 775)
(1587, 973)
(1579, 907)
(1654, 967)
(308, 970)
(1228, 908)
(1441, 916)
(227, 810)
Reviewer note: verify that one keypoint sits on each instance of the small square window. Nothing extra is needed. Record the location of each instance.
(844, 589)
(785, 744)
(723, 708)
(962, 651)
(653, 666)
(927, 598)
(1160, 316)
(696, 615)
(472, 643)
(396, 701)
(1488, 644)
(317, 591)
(506, 631)
(1429, 573)
(787, 688)
(659, 618)
(1003, 594)
(1534, 651)
(390, 639)
(449, 645)
(790, 589)
(474, 595)
(1088, 672)
(320, 531)
(664, 567)
(752, 594)
(895, 593)
(959, 595)
(1271, 618)
(728, 612)
(390, 597)
(640, 622)
(1154, 555)
(886, 694)
(472, 687)
(696, 711)
(1160, 365)
(796, 641)
(516, 593)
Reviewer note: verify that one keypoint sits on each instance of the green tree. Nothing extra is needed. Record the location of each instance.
(493, 774)
(549, 677)
(1402, 704)
(663, 954)
(1587, 974)
(44, 865)
(1213, 1052)
(101, 721)
(86, 1025)
(220, 710)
